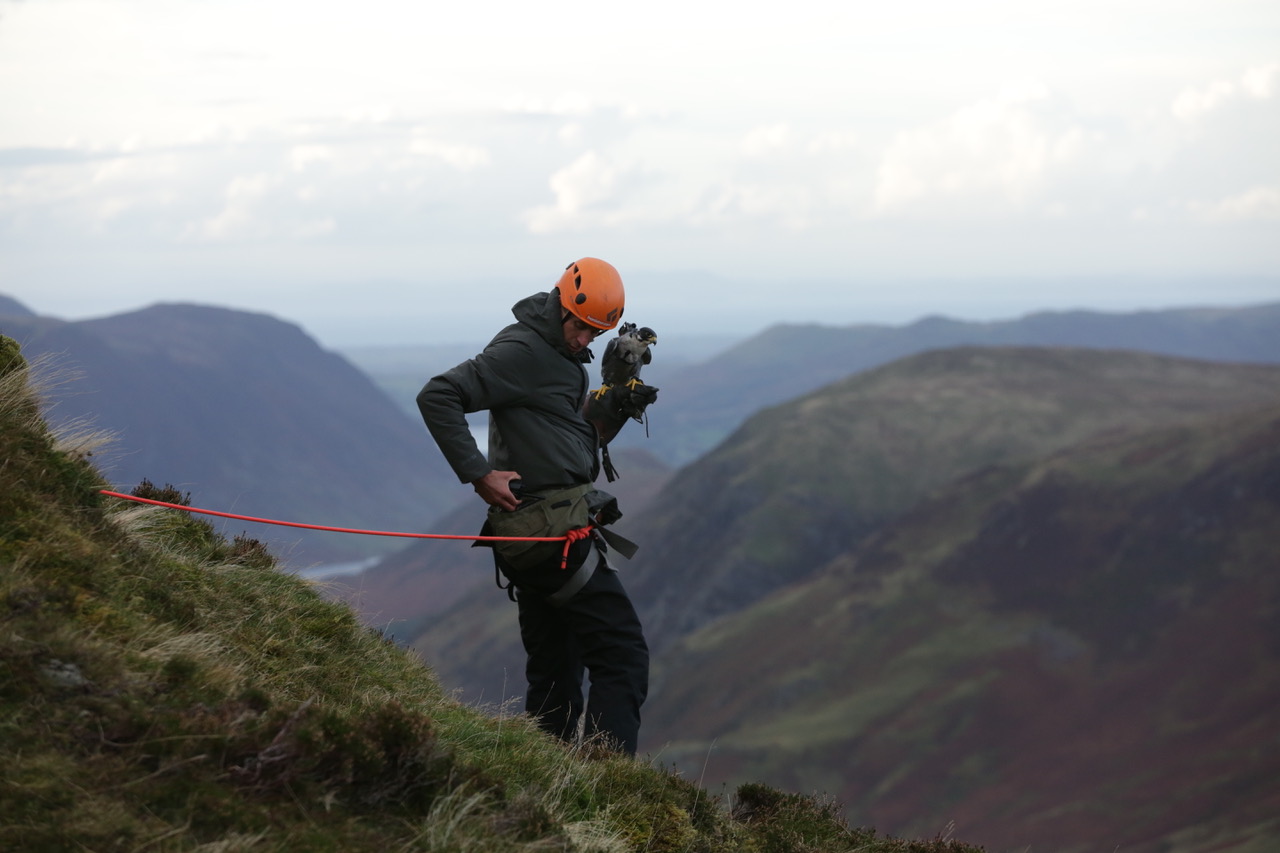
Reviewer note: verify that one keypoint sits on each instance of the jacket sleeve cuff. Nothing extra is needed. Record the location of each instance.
(473, 468)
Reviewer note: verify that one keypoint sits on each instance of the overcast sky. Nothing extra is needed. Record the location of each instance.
(400, 172)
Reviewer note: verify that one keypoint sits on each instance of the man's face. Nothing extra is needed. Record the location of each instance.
(578, 335)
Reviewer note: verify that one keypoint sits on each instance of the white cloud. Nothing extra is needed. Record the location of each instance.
(564, 104)
(571, 134)
(238, 219)
(1260, 82)
(86, 192)
(584, 192)
(766, 141)
(301, 157)
(315, 228)
(462, 157)
(1257, 83)
(369, 114)
(788, 205)
(833, 142)
(992, 155)
(729, 144)
(1256, 204)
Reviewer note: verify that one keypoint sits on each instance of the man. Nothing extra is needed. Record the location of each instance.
(532, 380)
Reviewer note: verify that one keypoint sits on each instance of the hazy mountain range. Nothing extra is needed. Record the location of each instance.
(1016, 576)
(248, 414)
(712, 384)
(701, 404)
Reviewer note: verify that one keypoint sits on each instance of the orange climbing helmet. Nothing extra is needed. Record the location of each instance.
(591, 290)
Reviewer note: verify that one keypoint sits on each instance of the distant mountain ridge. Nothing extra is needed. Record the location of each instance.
(10, 307)
(699, 406)
(251, 416)
(702, 400)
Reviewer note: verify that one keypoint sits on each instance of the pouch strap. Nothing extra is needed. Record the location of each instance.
(618, 542)
(578, 580)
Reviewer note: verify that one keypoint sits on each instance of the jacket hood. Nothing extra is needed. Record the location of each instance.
(543, 313)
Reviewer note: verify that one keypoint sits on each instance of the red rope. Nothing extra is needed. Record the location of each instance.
(568, 539)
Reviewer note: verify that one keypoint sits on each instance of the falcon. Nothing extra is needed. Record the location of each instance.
(624, 356)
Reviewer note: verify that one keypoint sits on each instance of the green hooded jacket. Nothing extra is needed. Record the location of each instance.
(533, 389)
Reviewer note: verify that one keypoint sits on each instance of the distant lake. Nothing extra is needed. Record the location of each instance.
(331, 570)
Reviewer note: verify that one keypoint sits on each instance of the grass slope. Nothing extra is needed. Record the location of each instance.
(164, 689)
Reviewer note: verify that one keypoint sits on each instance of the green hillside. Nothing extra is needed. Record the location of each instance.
(1075, 653)
(163, 689)
(802, 482)
(1046, 610)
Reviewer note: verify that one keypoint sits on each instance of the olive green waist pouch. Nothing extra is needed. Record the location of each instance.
(552, 512)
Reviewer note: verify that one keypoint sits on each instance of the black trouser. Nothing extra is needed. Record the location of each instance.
(596, 630)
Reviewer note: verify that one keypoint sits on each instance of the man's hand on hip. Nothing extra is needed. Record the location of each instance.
(494, 489)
